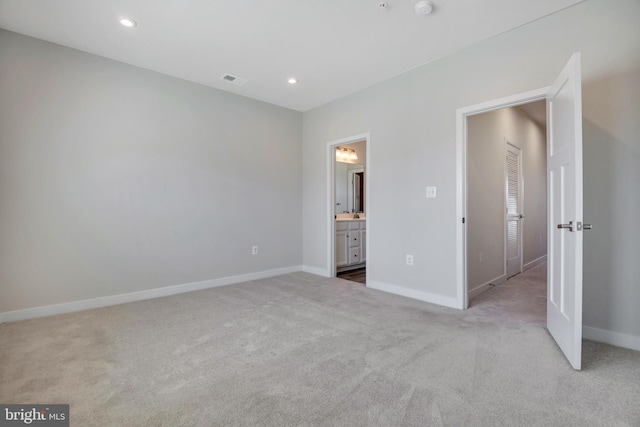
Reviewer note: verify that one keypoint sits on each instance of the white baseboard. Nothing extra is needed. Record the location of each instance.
(69, 307)
(412, 293)
(609, 337)
(533, 263)
(316, 270)
(486, 286)
(479, 289)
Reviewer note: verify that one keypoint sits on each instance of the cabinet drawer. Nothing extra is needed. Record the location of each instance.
(354, 255)
(354, 225)
(342, 225)
(354, 239)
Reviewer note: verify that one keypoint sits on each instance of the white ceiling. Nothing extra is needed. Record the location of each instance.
(333, 47)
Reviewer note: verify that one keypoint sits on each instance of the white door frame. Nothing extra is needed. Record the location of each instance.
(331, 197)
(461, 178)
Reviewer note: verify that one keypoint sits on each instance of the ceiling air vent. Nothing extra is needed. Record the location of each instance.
(239, 81)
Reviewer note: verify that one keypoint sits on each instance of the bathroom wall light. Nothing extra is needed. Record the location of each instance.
(346, 155)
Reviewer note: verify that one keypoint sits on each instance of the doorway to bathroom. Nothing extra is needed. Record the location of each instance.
(348, 213)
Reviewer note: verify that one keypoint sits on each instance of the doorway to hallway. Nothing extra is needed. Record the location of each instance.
(506, 194)
(564, 200)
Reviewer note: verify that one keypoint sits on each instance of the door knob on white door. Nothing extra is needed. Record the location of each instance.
(579, 226)
(569, 226)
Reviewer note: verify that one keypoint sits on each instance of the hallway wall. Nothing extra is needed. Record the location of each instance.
(486, 135)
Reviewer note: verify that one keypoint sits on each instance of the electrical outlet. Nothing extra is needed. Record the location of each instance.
(431, 192)
(409, 259)
(254, 250)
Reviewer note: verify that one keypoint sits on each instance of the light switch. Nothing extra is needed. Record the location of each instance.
(431, 192)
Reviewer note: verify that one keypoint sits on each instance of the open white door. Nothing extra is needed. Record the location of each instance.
(564, 138)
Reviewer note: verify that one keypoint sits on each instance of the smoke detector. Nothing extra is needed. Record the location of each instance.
(383, 5)
(424, 7)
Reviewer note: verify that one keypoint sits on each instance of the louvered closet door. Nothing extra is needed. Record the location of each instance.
(514, 210)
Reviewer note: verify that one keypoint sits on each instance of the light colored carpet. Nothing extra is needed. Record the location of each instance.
(304, 350)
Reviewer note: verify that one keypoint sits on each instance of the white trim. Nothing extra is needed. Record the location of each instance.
(461, 210)
(609, 337)
(316, 270)
(414, 294)
(507, 101)
(331, 197)
(479, 290)
(486, 286)
(462, 296)
(70, 307)
(531, 264)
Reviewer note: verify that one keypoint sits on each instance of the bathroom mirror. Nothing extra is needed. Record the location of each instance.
(349, 188)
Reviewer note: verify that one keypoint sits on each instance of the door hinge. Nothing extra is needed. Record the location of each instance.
(463, 220)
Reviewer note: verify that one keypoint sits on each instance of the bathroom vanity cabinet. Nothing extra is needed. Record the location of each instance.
(351, 238)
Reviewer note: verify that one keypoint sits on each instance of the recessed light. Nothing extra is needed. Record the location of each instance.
(128, 22)
(292, 80)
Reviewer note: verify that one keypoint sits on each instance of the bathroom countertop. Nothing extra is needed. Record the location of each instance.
(351, 219)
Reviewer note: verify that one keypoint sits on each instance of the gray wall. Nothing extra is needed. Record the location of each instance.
(486, 191)
(115, 179)
(412, 123)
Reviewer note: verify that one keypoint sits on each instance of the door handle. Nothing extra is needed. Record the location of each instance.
(569, 226)
(579, 226)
